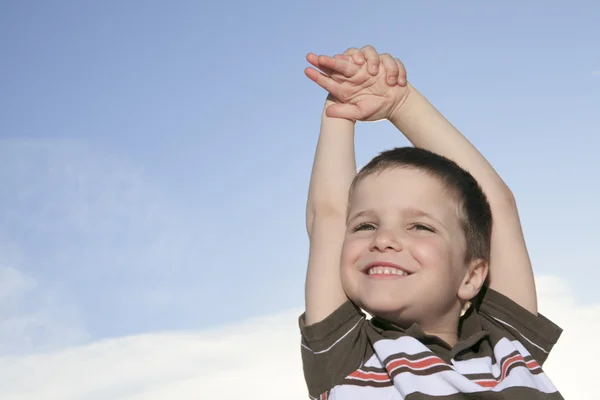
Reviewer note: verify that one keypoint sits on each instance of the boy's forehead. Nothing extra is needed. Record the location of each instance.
(401, 182)
(403, 188)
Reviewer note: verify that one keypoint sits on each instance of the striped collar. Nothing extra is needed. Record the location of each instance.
(470, 334)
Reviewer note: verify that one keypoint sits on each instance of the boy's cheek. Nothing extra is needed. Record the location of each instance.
(429, 252)
(352, 250)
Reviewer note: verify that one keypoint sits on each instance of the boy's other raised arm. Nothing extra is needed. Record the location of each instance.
(510, 270)
(334, 168)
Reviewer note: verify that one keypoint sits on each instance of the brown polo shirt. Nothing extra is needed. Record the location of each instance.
(499, 355)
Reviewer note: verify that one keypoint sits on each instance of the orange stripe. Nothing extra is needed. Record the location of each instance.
(431, 361)
(420, 364)
(507, 363)
(372, 376)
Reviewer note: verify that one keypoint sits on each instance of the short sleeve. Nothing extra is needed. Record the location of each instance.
(536, 333)
(333, 348)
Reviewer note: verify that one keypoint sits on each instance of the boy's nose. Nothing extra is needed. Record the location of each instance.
(386, 240)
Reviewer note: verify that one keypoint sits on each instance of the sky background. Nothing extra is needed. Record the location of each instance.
(155, 159)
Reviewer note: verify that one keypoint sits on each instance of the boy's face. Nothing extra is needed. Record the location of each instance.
(403, 255)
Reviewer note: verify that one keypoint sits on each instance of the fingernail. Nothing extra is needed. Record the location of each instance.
(392, 80)
(402, 82)
(373, 68)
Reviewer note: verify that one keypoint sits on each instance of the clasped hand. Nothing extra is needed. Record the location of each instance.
(365, 85)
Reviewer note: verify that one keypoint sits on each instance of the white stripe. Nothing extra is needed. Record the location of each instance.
(524, 337)
(373, 361)
(334, 343)
(449, 382)
(356, 378)
(443, 383)
(439, 361)
(351, 392)
(480, 365)
(476, 366)
(404, 344)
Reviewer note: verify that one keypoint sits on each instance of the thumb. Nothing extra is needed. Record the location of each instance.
(345, 111)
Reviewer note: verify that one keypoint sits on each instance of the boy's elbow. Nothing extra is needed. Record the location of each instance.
(507, 198)
(324, 216)
(502, 198)
(323, 212)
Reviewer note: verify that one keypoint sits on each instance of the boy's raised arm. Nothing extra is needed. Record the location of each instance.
(334, 168)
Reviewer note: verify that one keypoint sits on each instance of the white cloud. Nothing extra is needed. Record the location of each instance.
(572, 364)
(33, 318)
(232, 362)
(255, 359)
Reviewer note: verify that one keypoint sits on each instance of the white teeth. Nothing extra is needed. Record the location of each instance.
(385, 271)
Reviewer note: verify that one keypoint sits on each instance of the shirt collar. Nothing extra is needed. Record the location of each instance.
(470, 331)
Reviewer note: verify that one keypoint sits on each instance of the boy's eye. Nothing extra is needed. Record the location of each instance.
(364, 227)
(421, 227)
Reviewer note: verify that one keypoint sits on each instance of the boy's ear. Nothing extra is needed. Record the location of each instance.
(473, 280)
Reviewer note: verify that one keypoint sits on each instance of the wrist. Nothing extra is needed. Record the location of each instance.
(400, 110)
(330, 101)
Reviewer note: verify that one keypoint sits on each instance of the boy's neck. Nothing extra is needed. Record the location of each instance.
(444, 328)
(449, 337)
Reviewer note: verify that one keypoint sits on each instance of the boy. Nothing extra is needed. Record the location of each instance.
(410, 240)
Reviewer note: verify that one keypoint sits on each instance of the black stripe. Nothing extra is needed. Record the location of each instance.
(490, 377)
(422, 372)
(378, 370)
(367, 383)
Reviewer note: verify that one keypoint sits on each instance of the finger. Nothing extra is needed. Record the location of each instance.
(356, 55)
(313, 59)
(318, 77)
(391, 68)
(342, 57)
(402, 81)
(372, 58)
(325, 64)
(344, 67)
(340, 110)
(325, 82)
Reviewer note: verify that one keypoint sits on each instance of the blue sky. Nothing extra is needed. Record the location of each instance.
(156, 155)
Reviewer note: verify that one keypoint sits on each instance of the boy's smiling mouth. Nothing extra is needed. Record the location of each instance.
(384, 269)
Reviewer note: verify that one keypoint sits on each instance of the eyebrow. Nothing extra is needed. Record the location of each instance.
(360, 214)
(413, 212)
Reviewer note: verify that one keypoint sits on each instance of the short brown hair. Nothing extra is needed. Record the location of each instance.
(474, 209)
